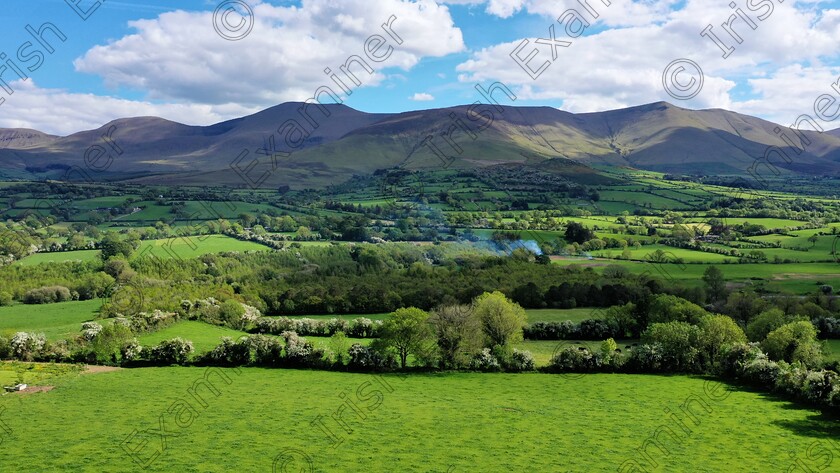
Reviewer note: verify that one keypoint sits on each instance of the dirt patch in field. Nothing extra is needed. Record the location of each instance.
(783, 276)
(94, 369)
(35, 389)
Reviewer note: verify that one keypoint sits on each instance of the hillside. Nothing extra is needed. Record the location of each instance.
(331, 144)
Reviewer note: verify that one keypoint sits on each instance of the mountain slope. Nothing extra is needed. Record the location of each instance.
(318, 145)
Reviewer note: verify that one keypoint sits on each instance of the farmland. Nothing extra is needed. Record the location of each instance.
(321, 276)
(524, 420)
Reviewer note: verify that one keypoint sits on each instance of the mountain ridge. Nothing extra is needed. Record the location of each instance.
(315, 145)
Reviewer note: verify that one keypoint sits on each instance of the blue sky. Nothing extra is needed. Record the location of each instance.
(172, 59)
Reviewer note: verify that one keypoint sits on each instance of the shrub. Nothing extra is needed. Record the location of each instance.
(229, 353)
(27, 346)
(368, 359)
(131, 351)
(646, 358)
(171, 352)
(575, 360)
(299, 352)
(90, 330)
(47, 295)
(5, 299)
(485, 361)
(520, 361)
(818, 387)
(267, 351)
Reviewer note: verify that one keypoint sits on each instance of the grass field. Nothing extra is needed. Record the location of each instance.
(559, 315)
(796, 278)
(204, 336)
(423, 423)
(60, 257)
(56, 321)
(191, 247)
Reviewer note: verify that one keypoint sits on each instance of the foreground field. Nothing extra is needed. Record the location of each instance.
(423, 423)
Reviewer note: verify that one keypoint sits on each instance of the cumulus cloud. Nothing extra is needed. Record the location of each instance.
(179, 55)
(422, 97)
(614, 67)
(60, 112)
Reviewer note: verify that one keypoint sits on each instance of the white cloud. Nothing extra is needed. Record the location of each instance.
(60, 112)
(619, 67)
(422, 97)
(179, 55)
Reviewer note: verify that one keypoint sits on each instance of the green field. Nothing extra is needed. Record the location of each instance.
(204, 336)
(56, 321)
(423, 423)
(60, 257)
(559, 315)
(191, 247)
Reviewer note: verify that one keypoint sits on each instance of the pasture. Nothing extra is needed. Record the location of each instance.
(56, 321)
(420, 423)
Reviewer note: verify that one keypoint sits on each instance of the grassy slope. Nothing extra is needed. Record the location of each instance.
(204, 336)
(56, 321)
(442, 422)
(191, 247)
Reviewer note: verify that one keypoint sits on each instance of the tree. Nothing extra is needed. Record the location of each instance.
(668, 308)
(457, 333)
(112, 245)
(108, 343)
(813, 239)
(339, 346)
(766, 322)
(715, 283)
(717, 331)
(408, 332)
(577, 233)
(501, 319)
(792, 342)
(679, 342)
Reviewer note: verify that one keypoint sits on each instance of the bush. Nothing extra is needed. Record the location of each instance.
(229, 353)
(5, 299)
(267, 351)
(575, 360)
(520, 361)
(171, 352)
(485, 361)
(301, 353)
(47, 295)
(27, 346)
(646, 358)
(90, 330)
(364, 358)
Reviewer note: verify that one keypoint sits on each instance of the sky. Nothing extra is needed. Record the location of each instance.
(73, 65)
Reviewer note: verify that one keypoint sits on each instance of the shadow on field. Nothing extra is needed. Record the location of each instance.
(819, 426)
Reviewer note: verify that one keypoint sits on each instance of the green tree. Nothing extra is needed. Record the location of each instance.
(715, 283)
(502, 320)
(667, 308)
(408, 332)
(796, 341)
(717, 331)
(767, 321)
(577, 233)
(108, 343)
(339, 346)
(458, 334)
(679, 342)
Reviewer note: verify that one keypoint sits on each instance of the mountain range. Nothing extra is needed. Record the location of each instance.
(311, 145)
